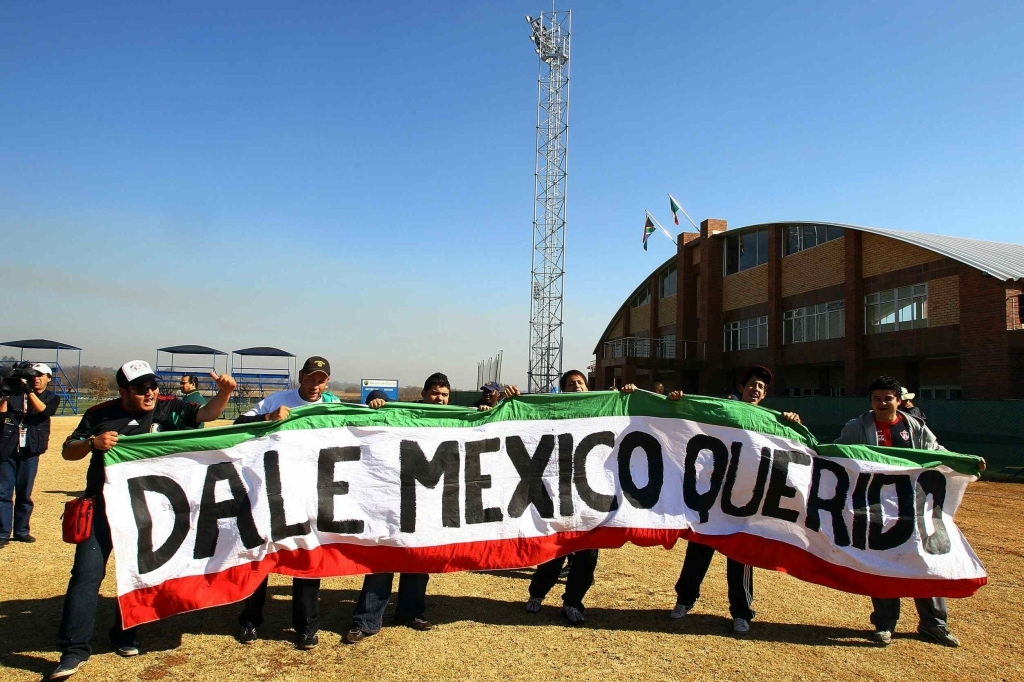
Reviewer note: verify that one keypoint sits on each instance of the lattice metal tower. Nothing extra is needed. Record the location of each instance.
(551, 38)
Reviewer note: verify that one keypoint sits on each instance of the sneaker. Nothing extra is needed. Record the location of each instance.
(883, 637)
(307, 641)
(24, 538)
(740, 626)
(354, 636)
(679, 611)
(127, 650)
(939, 633)
(66, 668)
(4, 542)
(248, 635)
(533, 604)
(573, 615)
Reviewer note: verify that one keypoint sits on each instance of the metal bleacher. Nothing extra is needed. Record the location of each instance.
(61, 384)
(170, 374)
(257, 380)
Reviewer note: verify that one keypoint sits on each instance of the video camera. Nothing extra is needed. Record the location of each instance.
(17, 379)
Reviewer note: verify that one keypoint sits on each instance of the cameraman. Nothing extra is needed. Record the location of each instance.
(26, 425)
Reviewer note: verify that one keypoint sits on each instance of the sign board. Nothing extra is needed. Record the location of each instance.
(389, 386)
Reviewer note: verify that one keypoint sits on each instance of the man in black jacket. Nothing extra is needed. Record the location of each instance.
(26, 418)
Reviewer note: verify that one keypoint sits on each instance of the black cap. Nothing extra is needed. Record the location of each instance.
(316, 364)
(759, 371)
(376, 394)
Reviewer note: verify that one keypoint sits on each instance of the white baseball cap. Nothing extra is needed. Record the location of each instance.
(42, 368)
(132, 371)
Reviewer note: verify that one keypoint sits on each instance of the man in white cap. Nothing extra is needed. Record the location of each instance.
(137, 410)
(26, 419)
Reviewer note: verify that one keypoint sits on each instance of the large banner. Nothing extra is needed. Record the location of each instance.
(200, 518)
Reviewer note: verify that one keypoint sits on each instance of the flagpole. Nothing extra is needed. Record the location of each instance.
(673, 200)
(667, 233)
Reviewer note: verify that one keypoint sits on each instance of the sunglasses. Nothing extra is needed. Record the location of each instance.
(143, 389)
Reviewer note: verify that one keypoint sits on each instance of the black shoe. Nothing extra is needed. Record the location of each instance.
(307, 641)
(354, 636)
(4, 542)
(65, 669)
(420, 624)
(24, 538)
(247, 635)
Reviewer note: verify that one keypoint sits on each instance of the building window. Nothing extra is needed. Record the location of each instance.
(799, 237)
(746, 250)
(746, 334)
(803, 391)
(667, 346)
(643, 297)
(939, 392)
(814, 322)
(667, 282)
(896, 309)
(837, 391)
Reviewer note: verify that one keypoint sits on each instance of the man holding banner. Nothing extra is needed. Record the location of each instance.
(739, 576)
(885, 425)
(312, 390)
(138, 410)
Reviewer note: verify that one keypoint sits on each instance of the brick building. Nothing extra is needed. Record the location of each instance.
(826, 307)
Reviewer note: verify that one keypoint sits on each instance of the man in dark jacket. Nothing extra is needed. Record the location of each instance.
(139, 409)
(884, 424)
(26, 418)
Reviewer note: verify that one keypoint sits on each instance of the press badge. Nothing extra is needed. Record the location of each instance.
(22, 437)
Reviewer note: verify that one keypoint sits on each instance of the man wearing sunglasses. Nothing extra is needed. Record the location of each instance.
(138, 410)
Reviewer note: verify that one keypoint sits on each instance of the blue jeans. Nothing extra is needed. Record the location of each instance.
(17, 475)
(79, 614)
(373, 599)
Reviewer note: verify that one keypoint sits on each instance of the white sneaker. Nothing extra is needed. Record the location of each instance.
(740, 626)
(573, 615)
(679, 611)
(533, 605)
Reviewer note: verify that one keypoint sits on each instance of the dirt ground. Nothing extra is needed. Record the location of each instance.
(802, 631)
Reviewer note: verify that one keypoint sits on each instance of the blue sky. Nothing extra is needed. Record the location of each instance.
(356, 179)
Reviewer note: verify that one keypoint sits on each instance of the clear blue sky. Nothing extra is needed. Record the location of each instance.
(356, 179)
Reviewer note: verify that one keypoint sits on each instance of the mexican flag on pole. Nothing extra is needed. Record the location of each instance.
(674, 207)
(199, 518)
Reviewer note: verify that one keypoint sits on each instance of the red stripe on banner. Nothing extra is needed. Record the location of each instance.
(189, 593)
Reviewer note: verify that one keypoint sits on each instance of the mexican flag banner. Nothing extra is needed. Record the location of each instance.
(198, 519)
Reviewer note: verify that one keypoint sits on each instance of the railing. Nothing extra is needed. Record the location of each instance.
(644, 347)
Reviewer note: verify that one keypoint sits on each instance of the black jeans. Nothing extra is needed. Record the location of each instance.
(930, 611)
(373, 599)
(581, 577)
(78, 618)
(739, 577)
(305, 606)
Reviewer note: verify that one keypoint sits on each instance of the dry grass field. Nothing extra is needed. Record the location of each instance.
(802, 631)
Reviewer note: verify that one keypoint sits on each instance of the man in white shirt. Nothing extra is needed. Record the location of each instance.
(313, 378)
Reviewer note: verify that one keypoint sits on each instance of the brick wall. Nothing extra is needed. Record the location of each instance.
(814, 268)
(882, 254)
(984, 348)
(616, 331)
(667, 310)
(944, 301)
(640, 319)
(745, 288)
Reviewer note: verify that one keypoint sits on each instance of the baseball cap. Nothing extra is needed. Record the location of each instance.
(376, 394)
(132, 371)
(42, 368)
(759, 371)
(905, 394)
(491, 386)
(316, 364)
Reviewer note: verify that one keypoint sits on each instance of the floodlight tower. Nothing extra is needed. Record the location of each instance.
(551, 39)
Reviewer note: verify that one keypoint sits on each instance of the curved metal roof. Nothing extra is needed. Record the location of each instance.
(264, 351)
(1003, 261)
(45, 344)
(191, 349)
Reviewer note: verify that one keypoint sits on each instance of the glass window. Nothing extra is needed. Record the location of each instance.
(834, 232)
(746, 334)
(762, 246)
(748, 250)
(668, 282)
(792, 239)
(809, 237)
(643, 297)
(814, 323)
(732, 255)
(895, 309)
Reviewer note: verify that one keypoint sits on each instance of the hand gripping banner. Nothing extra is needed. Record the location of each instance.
(199, 518)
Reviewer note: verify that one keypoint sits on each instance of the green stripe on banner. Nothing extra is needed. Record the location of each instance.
(702, 409)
